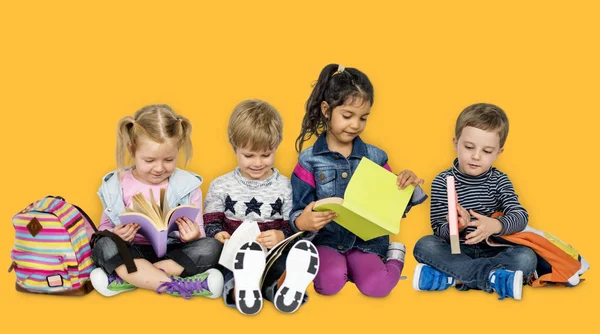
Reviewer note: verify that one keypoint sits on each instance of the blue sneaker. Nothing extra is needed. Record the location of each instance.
(428, 279)
(507, 283)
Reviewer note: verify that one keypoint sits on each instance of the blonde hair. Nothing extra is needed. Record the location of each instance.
(483, 116)
(159, 123)
(256, 125)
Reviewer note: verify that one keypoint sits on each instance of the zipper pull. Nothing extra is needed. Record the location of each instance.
(12, 266)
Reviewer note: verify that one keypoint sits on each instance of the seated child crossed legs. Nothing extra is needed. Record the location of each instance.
(256, 191)
(153, 138)
(482, 191)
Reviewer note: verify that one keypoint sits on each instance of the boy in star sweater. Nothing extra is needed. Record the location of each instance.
(256, 191)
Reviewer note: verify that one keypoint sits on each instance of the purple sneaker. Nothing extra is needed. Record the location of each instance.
(207, 284)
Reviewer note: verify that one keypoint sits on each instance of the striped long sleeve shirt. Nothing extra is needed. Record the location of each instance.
(485, 194)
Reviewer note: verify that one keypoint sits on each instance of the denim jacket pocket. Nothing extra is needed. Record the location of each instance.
(325, 182)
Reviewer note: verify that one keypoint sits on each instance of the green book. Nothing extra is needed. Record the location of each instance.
(373, 205)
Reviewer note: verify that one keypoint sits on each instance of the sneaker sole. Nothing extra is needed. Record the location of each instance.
(247, 271)
(302, 265)
(99, 281)
(518, 285)
(417, 276)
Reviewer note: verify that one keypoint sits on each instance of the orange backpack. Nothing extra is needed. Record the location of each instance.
(558, 262)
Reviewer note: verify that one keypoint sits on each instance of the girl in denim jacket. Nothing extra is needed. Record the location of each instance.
(337, 112)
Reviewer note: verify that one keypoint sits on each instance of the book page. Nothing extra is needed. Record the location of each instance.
(329, 200)
(155, 206)
(283, 243)
(246, 232)
(164, 204)
(272, 257)
(355, 223)
(190, 211)
(275, 252)
(142, 205)
(156, 237)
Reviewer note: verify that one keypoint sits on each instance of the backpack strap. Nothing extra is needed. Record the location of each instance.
(58, 202)
(121, 246)
(87, 217)
(52, 207)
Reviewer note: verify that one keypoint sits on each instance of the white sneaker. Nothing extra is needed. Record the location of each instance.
(302, 265)
(109, 285)
(247, 271)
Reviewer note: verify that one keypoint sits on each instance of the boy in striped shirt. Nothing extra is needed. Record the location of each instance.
(482, 190)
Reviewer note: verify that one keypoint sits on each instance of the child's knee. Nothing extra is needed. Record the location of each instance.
(329, 287)
(525, 260)
(204, 251)
(210, 244)
(104, 250)
(331, 280)
(428, 244)
(374, 286)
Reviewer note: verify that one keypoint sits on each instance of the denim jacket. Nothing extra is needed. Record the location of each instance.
(182, 185)
(321, 173)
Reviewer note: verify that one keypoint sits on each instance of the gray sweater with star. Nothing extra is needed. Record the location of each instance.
(233, 199)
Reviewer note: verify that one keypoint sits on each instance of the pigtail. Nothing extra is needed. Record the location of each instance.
(186, 138)
(125, 134)
(336, 85)
(314, 122)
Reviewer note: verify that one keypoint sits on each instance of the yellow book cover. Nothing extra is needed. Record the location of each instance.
(373, 205)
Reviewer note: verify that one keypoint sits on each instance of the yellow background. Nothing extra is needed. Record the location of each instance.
(69, 71)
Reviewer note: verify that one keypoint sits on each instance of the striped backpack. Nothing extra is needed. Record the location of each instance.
(51, 252)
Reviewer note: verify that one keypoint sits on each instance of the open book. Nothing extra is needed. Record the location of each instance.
(275, 252)
(247, 232)
(156, 221)
(372, 205)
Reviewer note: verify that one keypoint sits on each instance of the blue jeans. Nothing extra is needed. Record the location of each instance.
(475, 262)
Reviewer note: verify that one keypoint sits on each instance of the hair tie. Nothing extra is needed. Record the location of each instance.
(340, 70)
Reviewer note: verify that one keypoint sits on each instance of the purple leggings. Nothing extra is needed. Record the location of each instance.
(372, 276)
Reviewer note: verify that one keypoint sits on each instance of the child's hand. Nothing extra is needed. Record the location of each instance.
(270, 238)
(464, 218)
(486, 226)
(407, 177)
(222, 236)
(188, 230)
(313, 221)
(126, 231)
